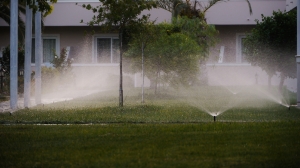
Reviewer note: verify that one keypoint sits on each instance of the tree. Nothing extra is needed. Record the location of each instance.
(272, 45)
(172, 58)
(198, 30)
(115, 16)
(141, 36)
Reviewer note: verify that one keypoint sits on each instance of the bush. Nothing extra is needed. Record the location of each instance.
(5, 60)
(64, 67)
(50, 79)
(5, 67)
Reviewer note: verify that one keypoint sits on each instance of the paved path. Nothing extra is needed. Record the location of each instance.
(5, 106)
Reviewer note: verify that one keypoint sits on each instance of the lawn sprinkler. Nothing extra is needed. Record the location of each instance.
(215, 118)
(289, 107)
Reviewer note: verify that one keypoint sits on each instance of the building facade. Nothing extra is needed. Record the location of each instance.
(95, 56)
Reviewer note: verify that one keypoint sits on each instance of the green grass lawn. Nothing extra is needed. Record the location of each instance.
(251, 144)
(172, 129)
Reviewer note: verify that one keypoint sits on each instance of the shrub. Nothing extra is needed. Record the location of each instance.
(50, 79)
(5, 67)
(64, 67)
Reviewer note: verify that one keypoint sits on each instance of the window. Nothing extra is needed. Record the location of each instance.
(50, 48)
(106, 50)
(240, 56)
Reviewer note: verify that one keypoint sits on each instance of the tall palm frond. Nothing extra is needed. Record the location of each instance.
(198, 9)
(213, 2)
(5, 15)
(173, 6)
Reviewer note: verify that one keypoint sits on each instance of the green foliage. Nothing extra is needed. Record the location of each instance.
(5, 67)
(50, 79)
(272, 44)
(122, 16)
(62, 70)
(42, 5)
(5, 60)
(198, 30)
(172, 51)
(118, 14)
(62, 63)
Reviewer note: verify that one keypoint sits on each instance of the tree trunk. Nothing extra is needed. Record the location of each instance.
(269, 81)
(280, 86)
(152, 82)
(156, 83)
(121, 71)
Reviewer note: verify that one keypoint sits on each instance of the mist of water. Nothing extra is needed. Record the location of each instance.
(213, 100)
(273, 94)
(85, 78)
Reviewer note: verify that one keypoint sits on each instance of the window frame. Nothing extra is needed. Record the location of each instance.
(94, 49)
(239, 52)
(57, 46)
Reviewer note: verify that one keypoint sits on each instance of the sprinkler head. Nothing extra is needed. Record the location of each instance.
(214, 118)
(289, 108)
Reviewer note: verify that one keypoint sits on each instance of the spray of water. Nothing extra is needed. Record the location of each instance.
(274, 95)
(232, 89)
(85, 79)
(213, 100)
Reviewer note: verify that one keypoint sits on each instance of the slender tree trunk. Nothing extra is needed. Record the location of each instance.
(280, 86)
(152, 82)
(121, 72)
(143, 72)
(156, 83)
(269, 81)
(157, 77)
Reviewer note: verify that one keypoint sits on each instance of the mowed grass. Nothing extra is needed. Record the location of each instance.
(264, 144)
(171, 129)
(169, 106)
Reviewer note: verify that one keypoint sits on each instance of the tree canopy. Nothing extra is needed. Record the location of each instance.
(172, 53)
(272, 44)
(112, 14)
